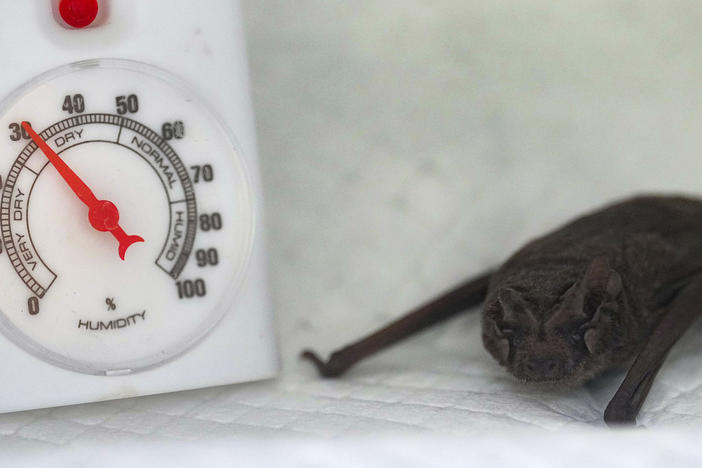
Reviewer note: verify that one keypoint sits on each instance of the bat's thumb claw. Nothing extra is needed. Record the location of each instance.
(331, 368)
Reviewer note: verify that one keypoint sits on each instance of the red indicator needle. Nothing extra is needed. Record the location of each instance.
(103, 214)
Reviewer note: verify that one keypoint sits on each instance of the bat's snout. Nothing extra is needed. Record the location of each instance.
(542, 366)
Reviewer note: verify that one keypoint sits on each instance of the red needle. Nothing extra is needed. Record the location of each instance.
(103, 214)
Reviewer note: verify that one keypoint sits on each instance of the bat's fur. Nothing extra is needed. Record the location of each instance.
(582, 299)
(585, 298)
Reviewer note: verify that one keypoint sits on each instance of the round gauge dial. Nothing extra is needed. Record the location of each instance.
(125, 217)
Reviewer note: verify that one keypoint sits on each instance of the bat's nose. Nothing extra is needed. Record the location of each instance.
(543, 367)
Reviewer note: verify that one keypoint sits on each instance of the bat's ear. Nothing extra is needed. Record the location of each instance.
(514, 308)
(602, 287)
(592, 339)
(497, 342)
(600, 331)
(600, 284)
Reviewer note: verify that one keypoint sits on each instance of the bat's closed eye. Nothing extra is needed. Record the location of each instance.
(566, 289)
(507, 332)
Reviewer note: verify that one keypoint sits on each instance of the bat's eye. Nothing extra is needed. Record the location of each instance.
(507, 332)
(576, 337)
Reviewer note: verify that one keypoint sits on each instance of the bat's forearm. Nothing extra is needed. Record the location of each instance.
(682, 312)
(460, 298)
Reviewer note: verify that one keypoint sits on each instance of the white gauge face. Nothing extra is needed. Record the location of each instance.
(131, 152)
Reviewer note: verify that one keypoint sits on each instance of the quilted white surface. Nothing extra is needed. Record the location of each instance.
(406, 145)
(434, 399)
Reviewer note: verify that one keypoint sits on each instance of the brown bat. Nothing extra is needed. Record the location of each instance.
(620, 284)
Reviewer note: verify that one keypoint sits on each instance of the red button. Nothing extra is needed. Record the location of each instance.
(78, 13)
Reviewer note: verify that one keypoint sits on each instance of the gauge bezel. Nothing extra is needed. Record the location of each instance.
(247, 205)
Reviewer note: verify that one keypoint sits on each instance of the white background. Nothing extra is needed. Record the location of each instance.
(409, 144)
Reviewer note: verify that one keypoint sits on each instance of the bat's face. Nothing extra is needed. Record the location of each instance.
(567, 339)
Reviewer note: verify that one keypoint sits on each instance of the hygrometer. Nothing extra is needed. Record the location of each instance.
(131, 257)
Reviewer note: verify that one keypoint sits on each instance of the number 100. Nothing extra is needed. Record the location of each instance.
(191, 288)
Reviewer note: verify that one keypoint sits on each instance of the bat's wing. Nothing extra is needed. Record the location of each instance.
(681, 313)
(462, 297)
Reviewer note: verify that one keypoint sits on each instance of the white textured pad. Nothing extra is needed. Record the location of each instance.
(442, 380)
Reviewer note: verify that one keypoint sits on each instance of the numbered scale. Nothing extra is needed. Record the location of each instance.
(126, 217)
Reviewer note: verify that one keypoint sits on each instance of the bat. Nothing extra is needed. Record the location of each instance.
(618, 286)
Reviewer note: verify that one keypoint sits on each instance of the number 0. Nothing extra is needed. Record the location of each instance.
(33, 305)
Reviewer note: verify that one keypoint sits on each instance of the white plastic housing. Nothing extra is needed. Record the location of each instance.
(202, 43)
